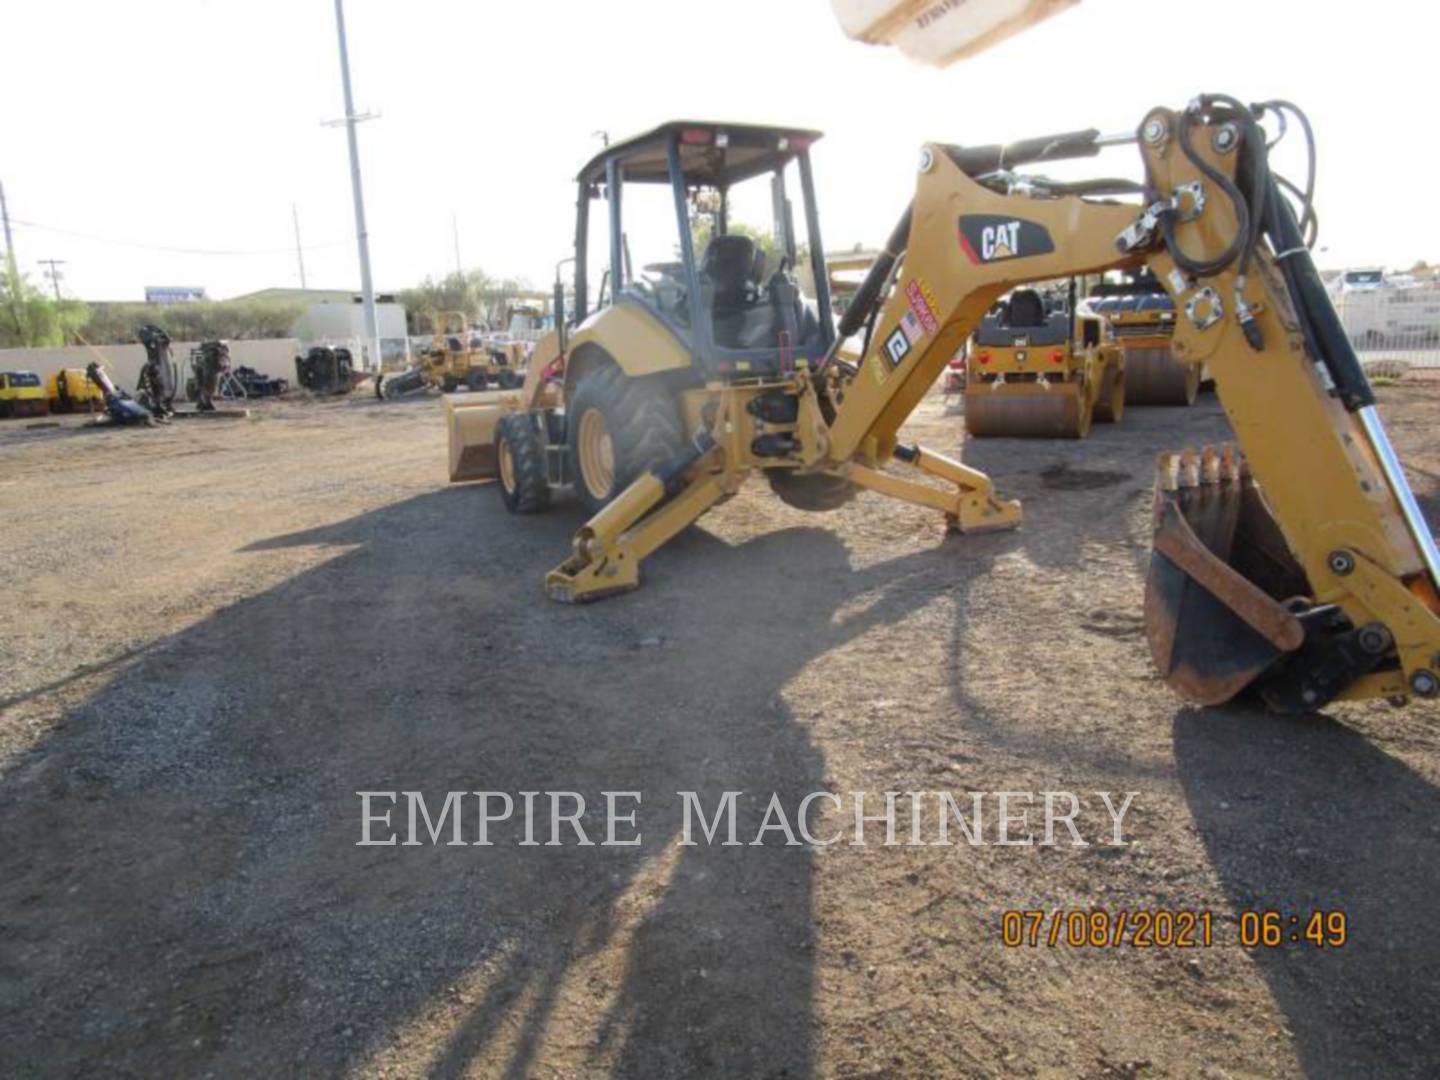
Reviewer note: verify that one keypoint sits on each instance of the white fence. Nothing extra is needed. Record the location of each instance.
(273, 357)
(1396, 328)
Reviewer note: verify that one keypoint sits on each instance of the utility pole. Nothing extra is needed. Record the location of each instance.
(5, 213)
(455, 228)
(299, 251)
(362, 236)
(53, 273)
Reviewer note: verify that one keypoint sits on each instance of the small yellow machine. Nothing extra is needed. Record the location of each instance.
(1299, 569)
(22, 394)
(1034, 369)
(1142, 319)
(456, 357)
(71, 390)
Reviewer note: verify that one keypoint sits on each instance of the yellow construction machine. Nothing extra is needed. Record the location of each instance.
(22, 394)
(71, 390)
(1298, 567)
(1038, 366)
(457, 357)
(1142, 318)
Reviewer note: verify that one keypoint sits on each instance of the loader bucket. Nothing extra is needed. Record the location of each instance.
(470, 426)
(1219, 572)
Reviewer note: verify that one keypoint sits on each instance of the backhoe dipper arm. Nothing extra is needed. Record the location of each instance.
(959, 247)
(1317, 509)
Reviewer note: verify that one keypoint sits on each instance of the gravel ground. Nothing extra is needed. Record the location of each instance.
(221, 631)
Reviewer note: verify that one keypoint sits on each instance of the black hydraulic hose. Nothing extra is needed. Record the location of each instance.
(1324, 332)
(1243, 232)
(868, 295)
(1309, 226)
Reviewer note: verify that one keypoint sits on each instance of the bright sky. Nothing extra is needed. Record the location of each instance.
(195, 124)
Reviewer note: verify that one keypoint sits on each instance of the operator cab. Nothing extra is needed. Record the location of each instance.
(709, 209)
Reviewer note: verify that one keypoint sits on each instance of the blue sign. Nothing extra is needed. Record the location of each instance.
(173, 294)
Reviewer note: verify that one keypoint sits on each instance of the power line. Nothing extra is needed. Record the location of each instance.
(168, 249)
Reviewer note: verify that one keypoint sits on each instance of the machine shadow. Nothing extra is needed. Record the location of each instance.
(189, 896)
(1300, 815)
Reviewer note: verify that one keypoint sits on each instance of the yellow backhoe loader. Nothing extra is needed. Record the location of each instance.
(1036, 366)
(1299, 567)
(1142, 318)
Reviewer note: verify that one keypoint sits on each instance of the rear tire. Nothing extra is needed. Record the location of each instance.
(475, 379)
(509, 379)
(618, 428)
(520, 460)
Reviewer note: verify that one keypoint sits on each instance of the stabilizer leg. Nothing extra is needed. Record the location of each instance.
(972, 507)
(608, 548)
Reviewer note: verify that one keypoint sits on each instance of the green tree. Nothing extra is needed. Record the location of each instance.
(476, 293)
(206, 320)
(29, 318)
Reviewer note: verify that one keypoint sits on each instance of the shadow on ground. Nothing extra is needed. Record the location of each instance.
(183, 892)
(1300, 815)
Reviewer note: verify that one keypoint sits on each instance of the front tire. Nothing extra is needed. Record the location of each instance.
(475, 379)
(520, 458)
(618, 428)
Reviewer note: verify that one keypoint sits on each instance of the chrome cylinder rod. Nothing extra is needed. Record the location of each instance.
(1400, 487)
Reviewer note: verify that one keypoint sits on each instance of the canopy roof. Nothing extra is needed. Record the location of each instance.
(711, 153)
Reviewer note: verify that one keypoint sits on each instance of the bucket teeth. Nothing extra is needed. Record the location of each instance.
(1209, 466)
(1167, 471)
(1229, 465)
(1189, 469)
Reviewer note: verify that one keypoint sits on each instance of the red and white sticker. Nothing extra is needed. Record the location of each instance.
(922, 305)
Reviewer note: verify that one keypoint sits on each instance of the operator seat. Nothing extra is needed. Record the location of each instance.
(1026, 309)
(1023, 315)
(730, 276)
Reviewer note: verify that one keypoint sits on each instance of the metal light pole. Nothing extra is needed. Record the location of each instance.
(362, 236)
(5, 214)
(299, 251)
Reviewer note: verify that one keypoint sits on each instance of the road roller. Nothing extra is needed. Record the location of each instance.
(1037, 370)
(1142, 319)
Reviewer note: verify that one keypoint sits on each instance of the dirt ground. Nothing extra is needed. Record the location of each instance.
(219, 632)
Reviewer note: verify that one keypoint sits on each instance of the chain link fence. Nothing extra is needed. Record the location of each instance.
(1394, 327)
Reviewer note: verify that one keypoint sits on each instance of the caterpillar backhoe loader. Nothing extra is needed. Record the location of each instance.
(1039, 367)
(1297, 567)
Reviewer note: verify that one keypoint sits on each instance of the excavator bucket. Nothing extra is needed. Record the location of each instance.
(1056, 411)
(1219, 572)
(470, 428)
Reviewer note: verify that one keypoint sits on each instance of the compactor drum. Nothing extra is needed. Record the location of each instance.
(1143, 325)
